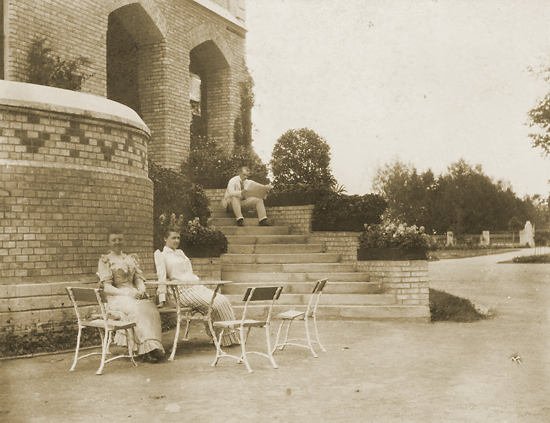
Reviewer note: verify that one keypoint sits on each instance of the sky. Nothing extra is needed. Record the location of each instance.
(426, 82)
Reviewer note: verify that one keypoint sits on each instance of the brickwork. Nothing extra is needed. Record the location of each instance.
(170, 30)
(343, 243)
(407, 279)
(66, 177)
(298, 218)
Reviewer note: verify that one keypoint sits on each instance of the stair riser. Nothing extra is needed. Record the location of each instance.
(279, 258)
(326, 299)
(349, 312)
(231, 221)
(276, 249)
(254, 230)
(266, 239)
(288, 268)
(293, 277)
(238, 288)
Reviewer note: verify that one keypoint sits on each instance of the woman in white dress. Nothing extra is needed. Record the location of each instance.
(173, 264)
(124, 286)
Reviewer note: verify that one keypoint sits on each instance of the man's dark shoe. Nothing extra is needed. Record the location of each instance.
(265, 222)
(240, 222)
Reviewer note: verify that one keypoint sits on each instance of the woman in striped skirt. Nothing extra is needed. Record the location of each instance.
(173, 264)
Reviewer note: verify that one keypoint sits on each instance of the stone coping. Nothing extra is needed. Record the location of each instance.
(43, 98)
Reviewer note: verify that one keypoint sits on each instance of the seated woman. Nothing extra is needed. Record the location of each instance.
(124, 286)
(173, 264)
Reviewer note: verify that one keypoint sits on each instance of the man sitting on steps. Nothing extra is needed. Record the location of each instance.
(237, 198)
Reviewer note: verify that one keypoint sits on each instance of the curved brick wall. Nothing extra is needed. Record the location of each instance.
(68, 171)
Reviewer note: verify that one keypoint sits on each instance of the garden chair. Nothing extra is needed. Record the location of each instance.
(309, 314)
(244, 325)
(105, 322)
(183, 314)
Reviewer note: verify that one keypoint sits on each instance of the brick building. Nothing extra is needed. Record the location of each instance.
(146, 54)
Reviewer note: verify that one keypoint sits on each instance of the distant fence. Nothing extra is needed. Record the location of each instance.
(497, 239)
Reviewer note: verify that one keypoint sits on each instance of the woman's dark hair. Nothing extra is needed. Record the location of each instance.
(114, 230)
(168, 229)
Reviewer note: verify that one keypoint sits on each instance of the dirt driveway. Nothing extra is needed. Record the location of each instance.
(372, 372)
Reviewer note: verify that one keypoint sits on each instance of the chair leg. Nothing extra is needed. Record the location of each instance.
(130, 346)
(217, 343)
(269, 351)
(308, 337)
(104, 348)
(317, 333)
(77, 349)
(176, 338)
(243, 349)
(284, 343)
(278, 335)
(186, 331)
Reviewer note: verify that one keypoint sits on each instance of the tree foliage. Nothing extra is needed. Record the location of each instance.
(301, 157)
(46, 68)
(463, 199)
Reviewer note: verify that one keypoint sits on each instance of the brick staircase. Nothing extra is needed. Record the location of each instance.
(273, 256)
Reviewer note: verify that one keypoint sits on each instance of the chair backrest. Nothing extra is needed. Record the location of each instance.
(315, 296)
(87, 296)
(263, 293)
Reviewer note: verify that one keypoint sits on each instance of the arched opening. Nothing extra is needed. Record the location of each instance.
(210, 78)
(133, 44)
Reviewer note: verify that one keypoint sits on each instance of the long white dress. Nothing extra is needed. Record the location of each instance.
(175, 265)
(123, 272)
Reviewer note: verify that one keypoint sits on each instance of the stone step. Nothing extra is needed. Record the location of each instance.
(333, 287)
(326, 299)
(280, 258)
(347, 312)
(231, 221)
(294, 277)
(288, 268)
(275, 248)
(266, 239)
(254, 230)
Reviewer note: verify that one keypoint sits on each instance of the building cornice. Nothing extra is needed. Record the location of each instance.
(221, 11)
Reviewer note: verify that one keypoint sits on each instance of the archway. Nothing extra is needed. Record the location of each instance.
(134, 45)
(211, 116)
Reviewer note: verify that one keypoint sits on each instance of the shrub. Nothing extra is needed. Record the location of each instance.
(199, 241)
(395, 235)
(537, 258)
(173, 193)
(46, 68)
(301, 157)
(339, 212)
(445, 307)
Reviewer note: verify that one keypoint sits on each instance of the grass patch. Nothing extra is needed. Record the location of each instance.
(447, 307)
(537, 258)
(464, 253)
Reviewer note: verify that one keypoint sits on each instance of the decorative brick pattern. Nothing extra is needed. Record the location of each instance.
(65, 179)
(79, 29)
(343, 243)
(407, 279)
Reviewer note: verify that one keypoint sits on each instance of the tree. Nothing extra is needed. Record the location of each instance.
(514, 224)
(408, 193)
(301, 158)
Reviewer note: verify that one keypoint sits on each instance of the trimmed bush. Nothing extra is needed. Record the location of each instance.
(447, 307)
(199, 241)
(339, 212)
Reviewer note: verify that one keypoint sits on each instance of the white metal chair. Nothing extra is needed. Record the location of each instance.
(271, 294)
(105, 322)
(183, 314)
(309, 314)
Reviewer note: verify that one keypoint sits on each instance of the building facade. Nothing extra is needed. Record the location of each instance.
(146, 54)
